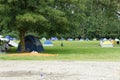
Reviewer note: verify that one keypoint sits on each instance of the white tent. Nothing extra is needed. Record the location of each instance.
(1, 36)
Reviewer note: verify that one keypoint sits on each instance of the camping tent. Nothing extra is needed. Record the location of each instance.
(106, 43)
(11, 43)
(54, 38)
(9, 37)
(47, 43)
(32, 44)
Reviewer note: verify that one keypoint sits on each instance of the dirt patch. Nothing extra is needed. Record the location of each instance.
(18, 73)
(31, 54)
(58, 70)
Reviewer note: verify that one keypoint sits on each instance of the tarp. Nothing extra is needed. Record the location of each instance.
(12, 43)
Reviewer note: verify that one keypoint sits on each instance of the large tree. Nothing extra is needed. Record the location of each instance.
(35, 15)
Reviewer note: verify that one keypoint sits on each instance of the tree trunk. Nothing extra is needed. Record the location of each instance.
(22, 41)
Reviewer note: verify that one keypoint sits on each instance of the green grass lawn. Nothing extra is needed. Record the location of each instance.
(73, 50)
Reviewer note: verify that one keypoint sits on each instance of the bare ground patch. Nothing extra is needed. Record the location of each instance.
(31, 54)
(59, 70)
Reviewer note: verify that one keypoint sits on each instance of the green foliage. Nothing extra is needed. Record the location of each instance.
(27, 17)
(10, 33)
(68, 18)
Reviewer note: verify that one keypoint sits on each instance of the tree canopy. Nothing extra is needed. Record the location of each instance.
(36, 15)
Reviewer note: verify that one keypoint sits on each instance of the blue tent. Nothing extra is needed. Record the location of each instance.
(9, 37)
(47, 43)
(54, 38)
(32, 44)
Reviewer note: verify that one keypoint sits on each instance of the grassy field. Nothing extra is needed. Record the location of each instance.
(72, 50)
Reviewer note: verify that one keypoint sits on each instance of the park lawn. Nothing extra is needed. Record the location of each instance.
(72, 50)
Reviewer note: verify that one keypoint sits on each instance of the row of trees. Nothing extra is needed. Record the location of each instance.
(62, 18)
(96, 18)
